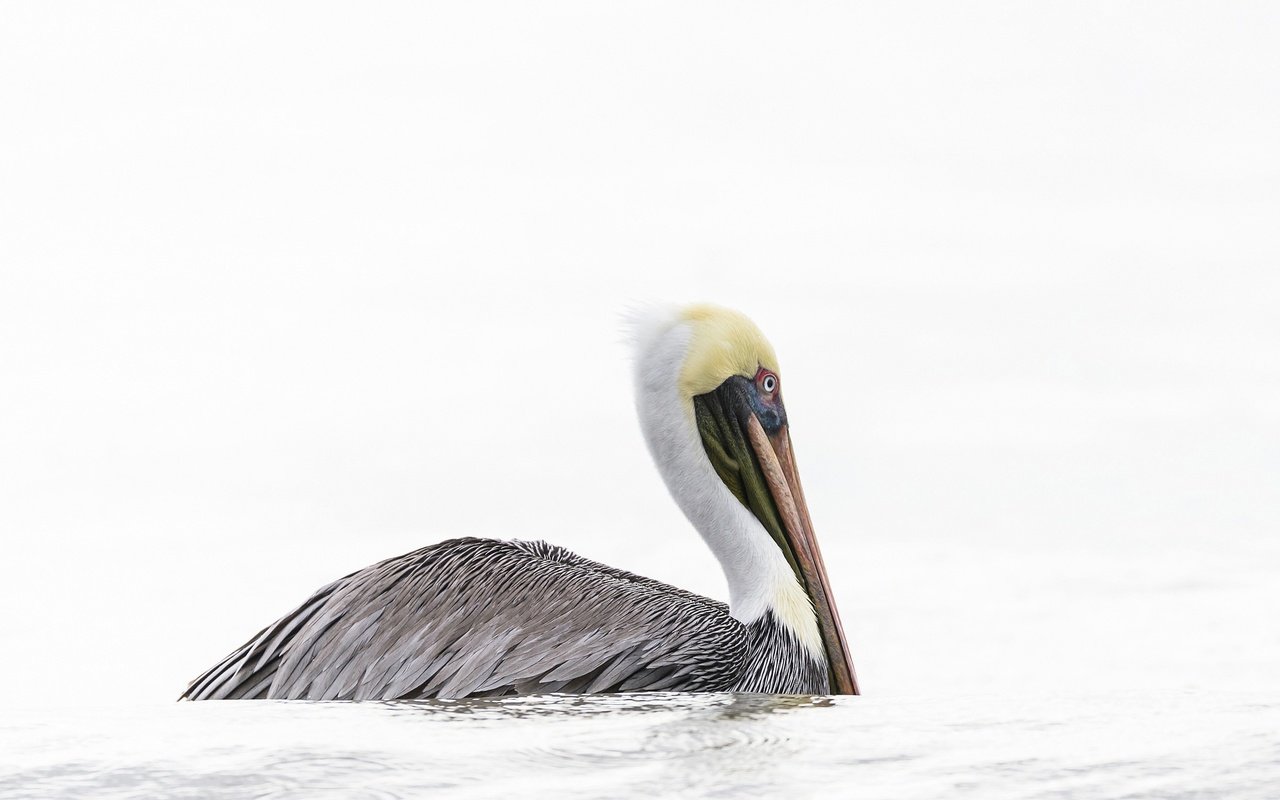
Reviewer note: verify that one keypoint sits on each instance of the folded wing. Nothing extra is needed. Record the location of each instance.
(480, 617)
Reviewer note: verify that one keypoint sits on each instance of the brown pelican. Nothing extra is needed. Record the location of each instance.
(481, 617)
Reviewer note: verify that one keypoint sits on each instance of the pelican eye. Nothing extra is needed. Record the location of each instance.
(769, 382)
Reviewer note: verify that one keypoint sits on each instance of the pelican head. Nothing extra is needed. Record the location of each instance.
(709, 396)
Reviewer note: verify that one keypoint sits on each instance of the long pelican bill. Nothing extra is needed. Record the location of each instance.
(748, 442)
(778, 464)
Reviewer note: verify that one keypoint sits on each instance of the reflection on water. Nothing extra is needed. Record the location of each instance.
(713, 745)
(722, 705)
(721, 746)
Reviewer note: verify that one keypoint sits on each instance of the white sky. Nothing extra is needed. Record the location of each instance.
(288, 289)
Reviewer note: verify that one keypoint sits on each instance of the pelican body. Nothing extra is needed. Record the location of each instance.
(480, 617)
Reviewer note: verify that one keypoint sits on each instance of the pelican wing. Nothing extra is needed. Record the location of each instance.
(480, 617)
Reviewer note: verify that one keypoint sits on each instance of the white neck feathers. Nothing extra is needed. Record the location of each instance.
(758, 575)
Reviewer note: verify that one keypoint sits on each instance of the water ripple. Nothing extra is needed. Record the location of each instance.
(716, 745)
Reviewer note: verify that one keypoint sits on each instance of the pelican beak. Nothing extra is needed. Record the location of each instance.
(749, 444)
(778, 463)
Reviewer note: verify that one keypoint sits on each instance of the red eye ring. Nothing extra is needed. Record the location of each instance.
(768, 381)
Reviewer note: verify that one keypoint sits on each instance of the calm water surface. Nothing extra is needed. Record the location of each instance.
(719, 745)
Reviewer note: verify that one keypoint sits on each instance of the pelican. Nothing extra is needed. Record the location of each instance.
(481, 617)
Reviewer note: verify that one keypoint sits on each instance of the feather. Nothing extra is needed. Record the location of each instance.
(480, 616)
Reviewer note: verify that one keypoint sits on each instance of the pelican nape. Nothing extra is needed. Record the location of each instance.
(481, 617)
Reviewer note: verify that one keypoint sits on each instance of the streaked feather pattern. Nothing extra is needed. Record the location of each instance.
(476, 617)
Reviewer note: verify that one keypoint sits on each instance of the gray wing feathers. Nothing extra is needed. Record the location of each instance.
(484, 617)
(247, 671)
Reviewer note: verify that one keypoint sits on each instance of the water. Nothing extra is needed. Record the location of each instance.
(1071, 673)
(667, 745)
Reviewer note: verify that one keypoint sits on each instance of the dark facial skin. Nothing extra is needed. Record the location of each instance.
(761, 396)
(722, 419)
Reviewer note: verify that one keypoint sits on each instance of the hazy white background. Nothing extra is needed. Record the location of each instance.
(290, 288)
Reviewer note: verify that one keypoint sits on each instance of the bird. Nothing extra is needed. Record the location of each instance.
(473, 617)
